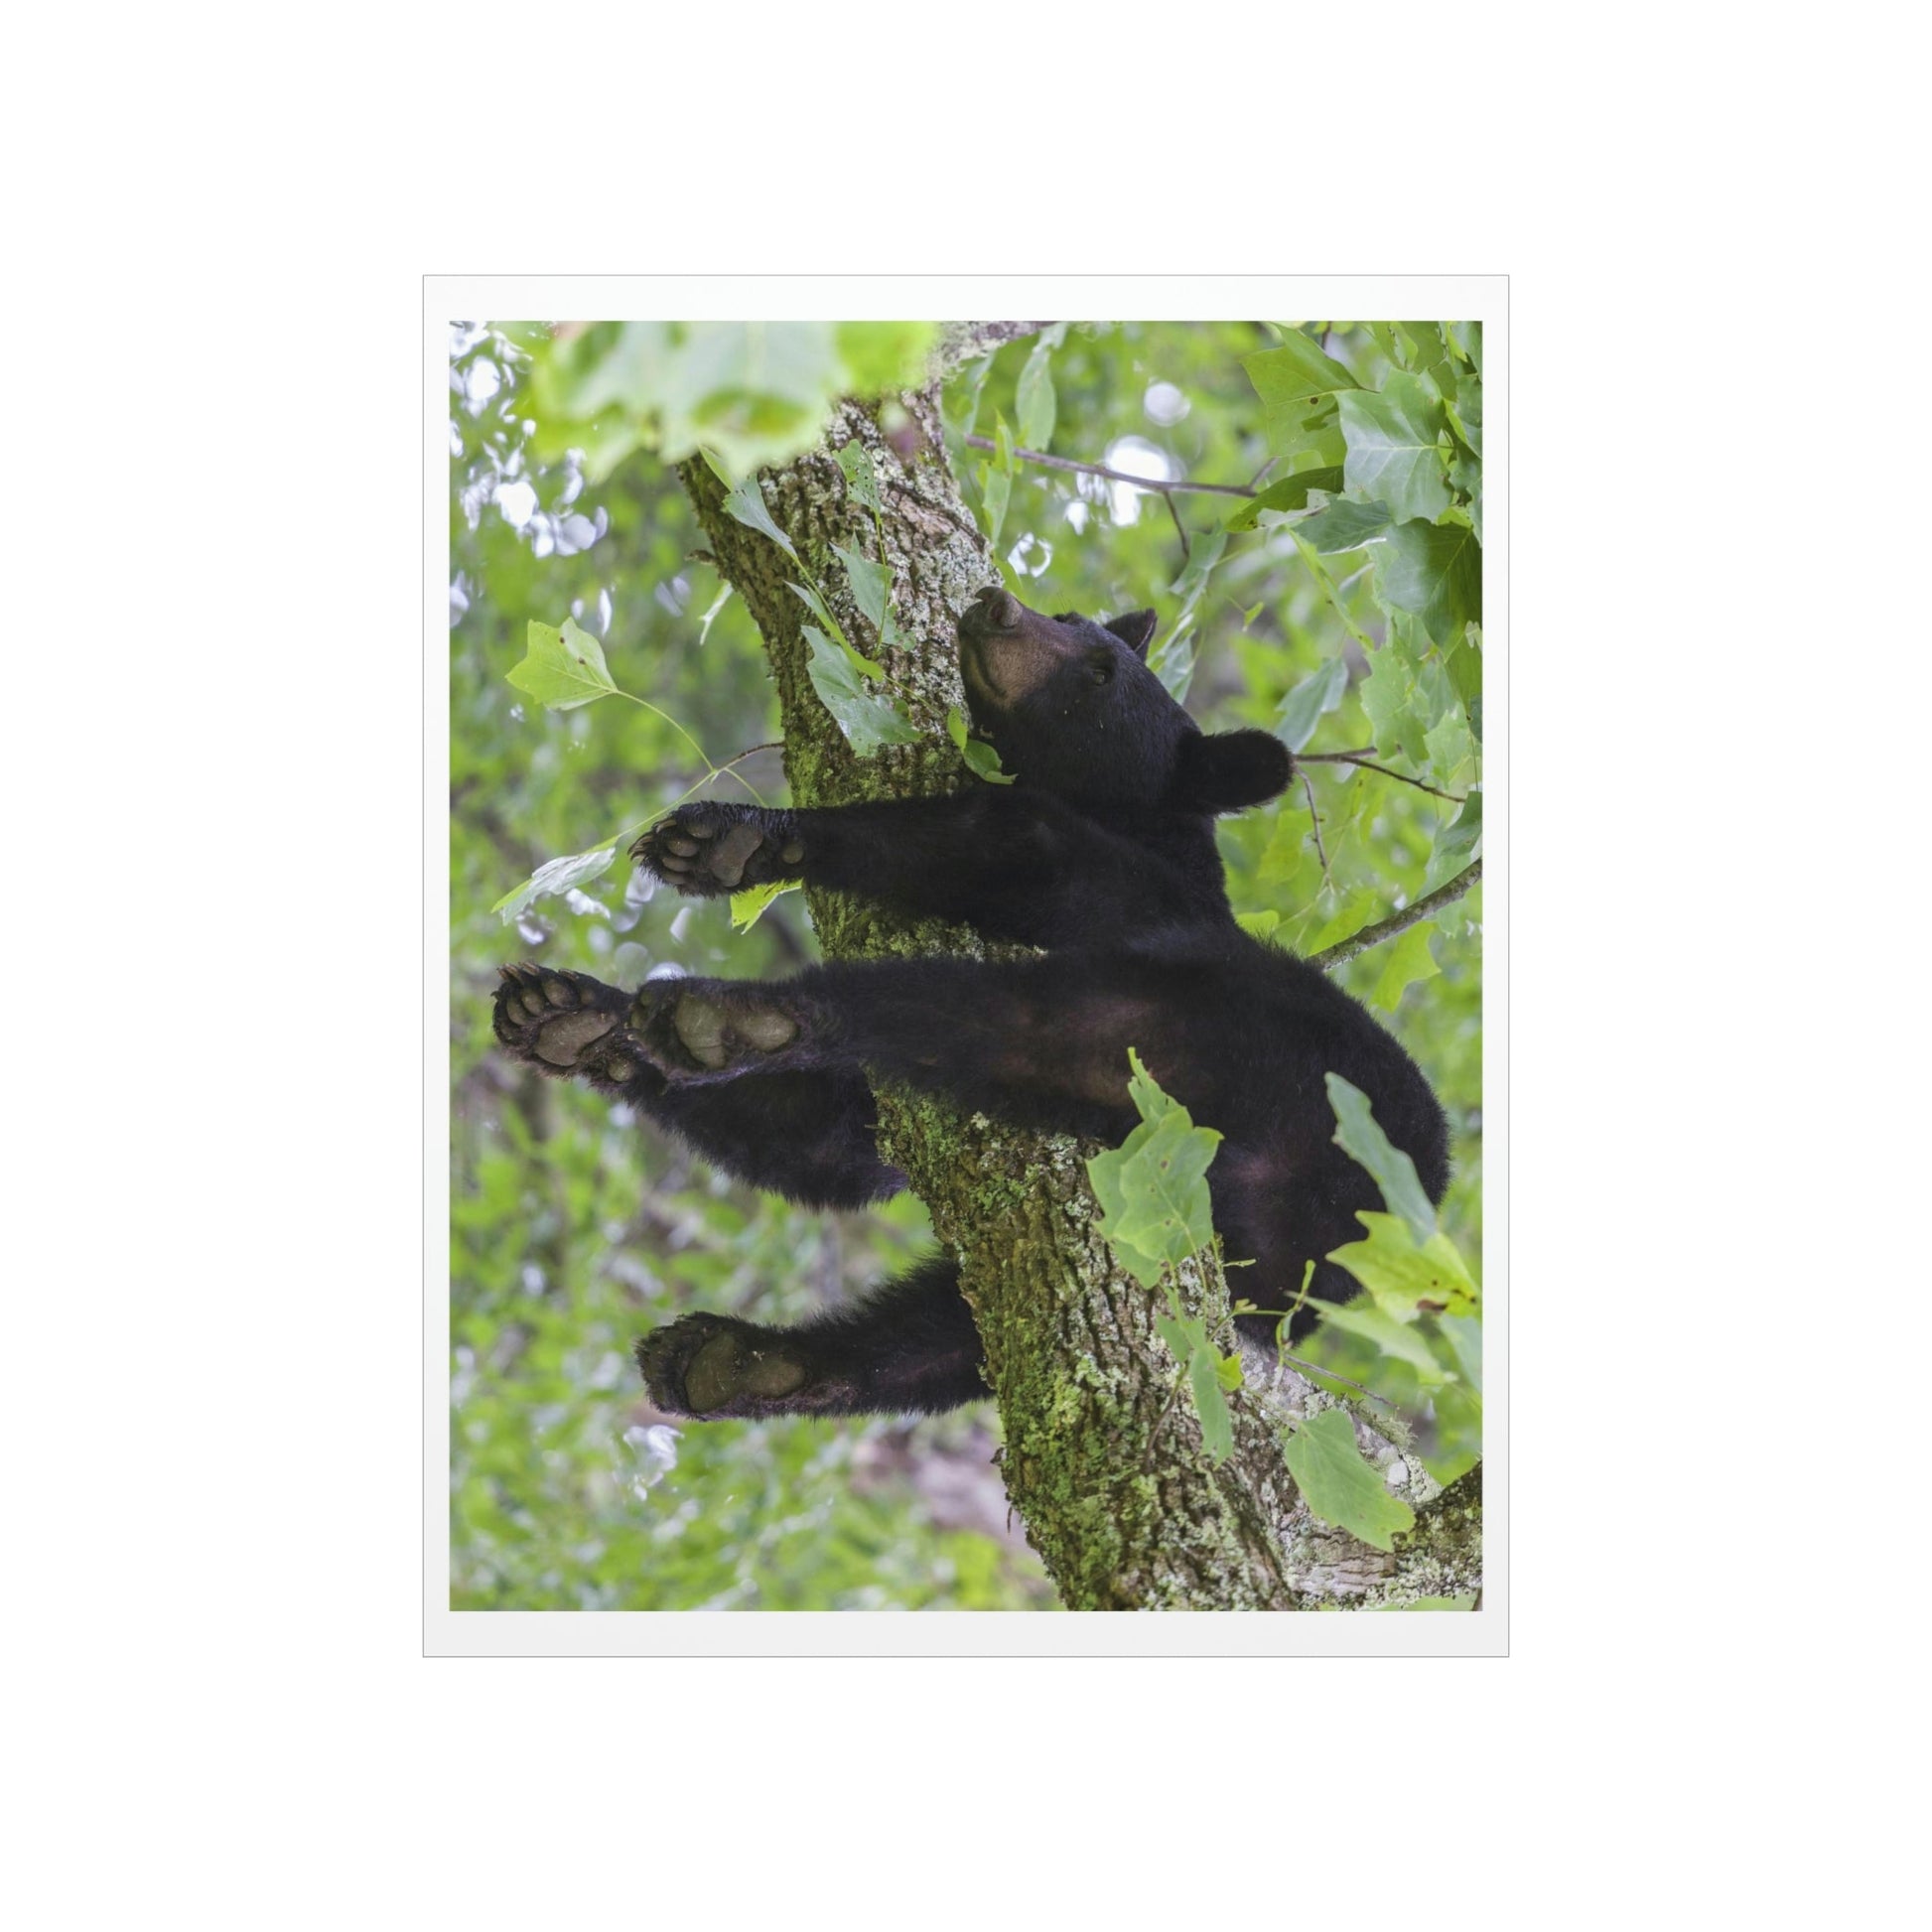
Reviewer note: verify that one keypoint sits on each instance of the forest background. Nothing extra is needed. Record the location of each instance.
(574, 1229)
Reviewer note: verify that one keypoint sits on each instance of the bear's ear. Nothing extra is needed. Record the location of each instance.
(1134, 629)
(1221, 772)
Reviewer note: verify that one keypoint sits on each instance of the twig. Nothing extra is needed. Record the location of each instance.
(1316, 1368)
(1321, 851)
(1369, 764)
(1187, 548)
(1161, 1420)
(1372, 935)
(1113, 475)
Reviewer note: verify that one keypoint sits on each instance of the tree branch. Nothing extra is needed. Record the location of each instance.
(961, 342)
(1424, 909)
(1440, 1556)
(1369, 764)
(1151, 483)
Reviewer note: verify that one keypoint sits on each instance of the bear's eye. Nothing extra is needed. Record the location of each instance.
(1101, 668)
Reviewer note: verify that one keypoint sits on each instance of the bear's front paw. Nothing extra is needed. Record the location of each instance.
(705, 849)
(569, 1024)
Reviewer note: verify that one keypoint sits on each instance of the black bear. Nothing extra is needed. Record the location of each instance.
(1102, 855)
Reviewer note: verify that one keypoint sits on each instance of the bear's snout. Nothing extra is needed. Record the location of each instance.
(993, 610)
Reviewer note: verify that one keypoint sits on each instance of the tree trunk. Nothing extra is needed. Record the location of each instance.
(1103, 1460)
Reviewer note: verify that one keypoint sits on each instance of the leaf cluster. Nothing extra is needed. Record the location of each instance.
(750, 394)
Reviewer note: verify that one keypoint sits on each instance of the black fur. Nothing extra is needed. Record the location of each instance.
(1102, 855)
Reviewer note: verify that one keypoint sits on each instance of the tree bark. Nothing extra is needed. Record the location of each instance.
(1102, 1459)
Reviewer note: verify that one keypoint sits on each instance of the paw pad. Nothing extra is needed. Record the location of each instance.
(550, 1020)
(712, 1033)
(707, 1365)
(707, 848)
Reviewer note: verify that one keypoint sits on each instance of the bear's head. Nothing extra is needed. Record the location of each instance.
(1070, 706)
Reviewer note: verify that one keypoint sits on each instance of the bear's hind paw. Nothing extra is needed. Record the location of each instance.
(708, 1365)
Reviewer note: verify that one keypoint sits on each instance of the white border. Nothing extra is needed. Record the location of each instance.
(575, 1633)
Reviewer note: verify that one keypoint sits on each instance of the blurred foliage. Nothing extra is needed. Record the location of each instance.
(1338, 608)
(750, 394)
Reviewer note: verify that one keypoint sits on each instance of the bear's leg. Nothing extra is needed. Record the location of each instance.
(909, 1347)
(1015, 865)
(1036, 1041)
(806, 1134)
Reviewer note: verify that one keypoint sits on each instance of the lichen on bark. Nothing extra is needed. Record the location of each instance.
(1103, 1456)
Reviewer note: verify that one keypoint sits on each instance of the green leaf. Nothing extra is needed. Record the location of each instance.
(1181, 1335)
(746, 505)
(756, 392)
(1404, 1341)
(1465, 474)
(1343, 525)
(1409, 959)
(1465, 676)
(996, 480)
(1285, 493)
(1153, 1189)
(1457, 842)
(744, 393)
(1340, 1485)
(1360, 908)
(1318, 694)
(981, 759)
(555, 877)
(1156, 1200)
(1297, 385)
(1212, 1378)
(1450, 745)
(1260, 924)
(1394, 448)
(710, 618)
(1405, 1278)
(816, 604)
(866, 722)
(1466, 412)
(1297, 374)
(860, 479)
(1211, 1399)
(1394, 705)
(1033, 402)
(1463, 1335)
(747, 907)
(1436, 571)
(884, 355)
(1359, 1134)
(963, 393)
(872, 586)
(1172, 659)
(562, 669)
(1383, 335)
(1426, 348)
